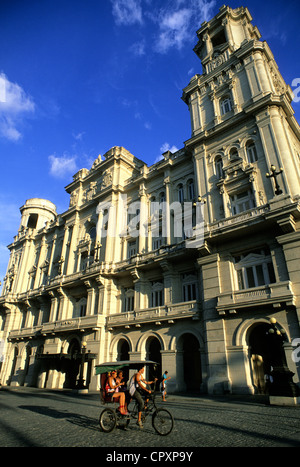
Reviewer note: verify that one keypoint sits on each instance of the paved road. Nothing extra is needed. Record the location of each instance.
(43, 418)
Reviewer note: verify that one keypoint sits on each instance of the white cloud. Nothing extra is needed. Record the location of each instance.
(15, 104)
(78, 136)
(138, 48)
(62, 166)
(173, 24)
(174, 30)
(164, 148)
(178, 24)
(127, 12)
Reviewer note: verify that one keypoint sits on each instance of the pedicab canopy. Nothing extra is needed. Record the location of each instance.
(109, 366)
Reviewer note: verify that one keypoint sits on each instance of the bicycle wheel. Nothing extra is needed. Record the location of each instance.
(162, 422)
(122, 421)
(107, 420)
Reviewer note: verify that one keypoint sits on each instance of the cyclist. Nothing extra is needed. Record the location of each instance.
(138, 389)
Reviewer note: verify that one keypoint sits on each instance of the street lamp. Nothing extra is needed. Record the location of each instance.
(274, 175)
(80, 383)
(283, 384)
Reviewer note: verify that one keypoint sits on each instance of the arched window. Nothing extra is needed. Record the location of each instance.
(92, 233)
(219, 167)
(191, 189)
(180, 193)
(162, 197)
(251, 152)
(233, 154)
(225, 105)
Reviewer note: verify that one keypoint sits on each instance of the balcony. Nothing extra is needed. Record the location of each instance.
(167, 313)
(239, 220)
(65, 325)
(279, 294)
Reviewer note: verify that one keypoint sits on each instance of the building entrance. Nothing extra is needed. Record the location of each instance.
(189, 347)
(265, 353)
(154, 353)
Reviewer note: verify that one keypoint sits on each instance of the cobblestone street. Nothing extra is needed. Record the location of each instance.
(43, 418)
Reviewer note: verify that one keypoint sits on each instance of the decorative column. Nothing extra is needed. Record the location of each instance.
(20, 283)
(64, 249)
(143, 231)
(232, 87)
(167, 210)
(216, 107)
(90, 298)
(52, 255)
(72, 252)
(63, 303)
(54, 305)
(195, 112)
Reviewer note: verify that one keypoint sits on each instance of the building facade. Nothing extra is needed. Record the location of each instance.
(117, 276)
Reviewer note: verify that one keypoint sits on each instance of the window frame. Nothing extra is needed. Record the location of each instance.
(128, 302)
(238, 203)
(225, 105)
(254, 269)
(251, 152)
(157, 294)
(190, 291)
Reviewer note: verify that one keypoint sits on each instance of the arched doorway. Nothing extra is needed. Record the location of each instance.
(26, 366)
(123, 350)
(189, 348)
(14, 363)
(72, 369)
(153, 349)
(123, 354)
(265, 354)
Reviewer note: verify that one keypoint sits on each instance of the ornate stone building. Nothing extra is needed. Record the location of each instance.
(76, 291)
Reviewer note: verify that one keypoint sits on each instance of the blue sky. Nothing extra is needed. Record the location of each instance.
(81, 76)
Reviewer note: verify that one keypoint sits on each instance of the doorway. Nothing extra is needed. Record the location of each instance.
(189, 347)
(265, 354)
(72, 364)
(153, 349)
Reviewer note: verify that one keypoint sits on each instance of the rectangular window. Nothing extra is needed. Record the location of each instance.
(128, 300)
(241, 202)
(157, 294)
(157, 243)
(189, 287)
(189, 292)
(82, 311)
(132, 250)
(254, 269)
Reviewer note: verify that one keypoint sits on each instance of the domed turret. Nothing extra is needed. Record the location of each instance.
(36, 212)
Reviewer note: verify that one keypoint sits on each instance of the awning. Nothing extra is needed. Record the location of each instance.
(61, 356)
(109, 366)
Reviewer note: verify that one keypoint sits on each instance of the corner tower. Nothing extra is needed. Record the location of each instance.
(241, 116)
(245, 146)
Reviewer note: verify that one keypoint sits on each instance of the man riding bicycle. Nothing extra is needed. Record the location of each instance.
(138, 390)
